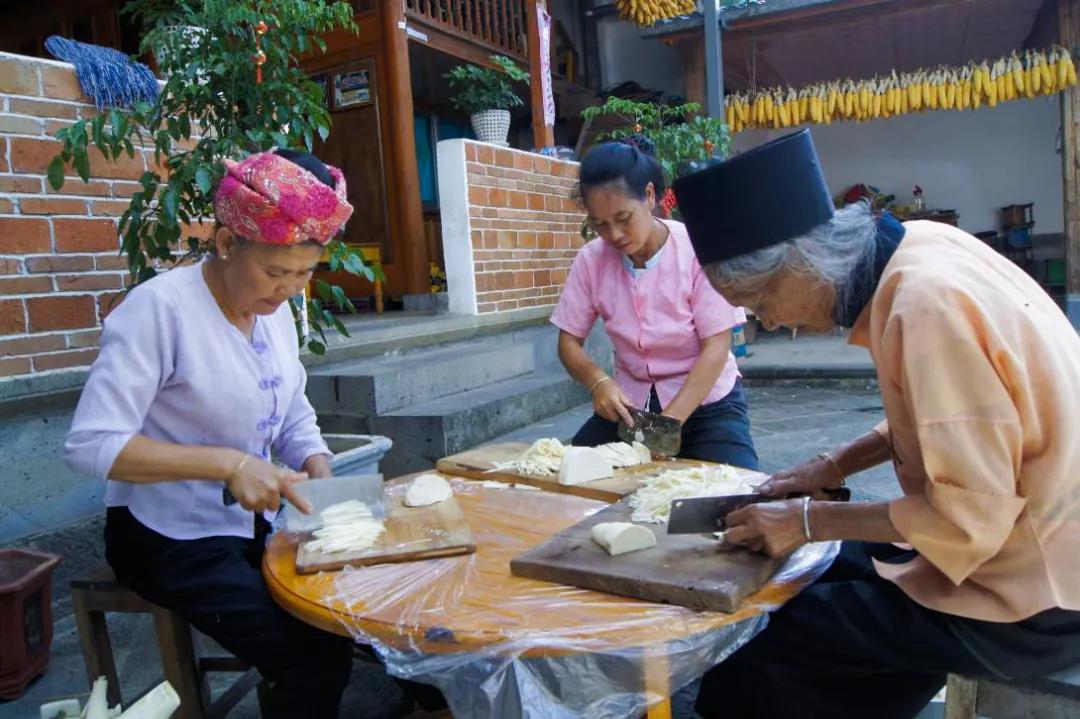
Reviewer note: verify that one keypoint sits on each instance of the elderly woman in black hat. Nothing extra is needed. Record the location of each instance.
(972, 569)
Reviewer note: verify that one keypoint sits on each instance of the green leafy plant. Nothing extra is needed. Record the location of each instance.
(681, 135)
(212, 107)
(483, 88)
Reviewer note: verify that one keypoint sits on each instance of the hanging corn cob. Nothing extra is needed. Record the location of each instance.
(1030, 75)
(646, 13)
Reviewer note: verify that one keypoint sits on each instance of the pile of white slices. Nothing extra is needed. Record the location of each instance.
(346, 527)
(652, 500)
(576, 465)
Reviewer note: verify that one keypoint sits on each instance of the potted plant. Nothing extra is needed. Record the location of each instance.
(487, 94)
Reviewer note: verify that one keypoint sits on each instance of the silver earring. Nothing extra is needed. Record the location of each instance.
(225, 257)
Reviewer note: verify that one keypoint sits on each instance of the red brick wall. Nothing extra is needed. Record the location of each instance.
(60, 272)
(525, 228)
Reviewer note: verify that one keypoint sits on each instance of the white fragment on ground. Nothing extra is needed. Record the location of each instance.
(652, 500)
(527, 487)
(492, 484)
(346, 527)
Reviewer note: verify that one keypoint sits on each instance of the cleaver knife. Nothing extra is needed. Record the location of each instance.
(662, 435)
(701, 515)
(322, 493)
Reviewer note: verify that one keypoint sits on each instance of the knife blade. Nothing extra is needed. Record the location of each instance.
(323, 493)
(662, 435)
(700, 515)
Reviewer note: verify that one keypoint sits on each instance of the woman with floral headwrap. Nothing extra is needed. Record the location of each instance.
(198, 379)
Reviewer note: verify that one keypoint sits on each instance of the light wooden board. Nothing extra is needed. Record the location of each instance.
(685, 569)
(412, 533)
(478, 463)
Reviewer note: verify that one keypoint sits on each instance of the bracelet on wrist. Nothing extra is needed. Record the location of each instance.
(238, 467)
(597, 383)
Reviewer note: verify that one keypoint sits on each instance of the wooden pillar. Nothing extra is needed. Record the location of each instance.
(543, 134)
(1069, 35)
(692, 52)
(410, 225)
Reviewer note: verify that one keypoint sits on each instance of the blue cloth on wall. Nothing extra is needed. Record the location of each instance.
(108, 76)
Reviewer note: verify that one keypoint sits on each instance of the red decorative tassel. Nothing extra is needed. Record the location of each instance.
(260, 57)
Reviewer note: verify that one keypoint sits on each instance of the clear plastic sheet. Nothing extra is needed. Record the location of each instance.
(500, 647)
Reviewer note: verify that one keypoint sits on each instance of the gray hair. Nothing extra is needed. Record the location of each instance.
(831, 253)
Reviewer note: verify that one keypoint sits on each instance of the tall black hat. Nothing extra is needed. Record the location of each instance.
(768, 195)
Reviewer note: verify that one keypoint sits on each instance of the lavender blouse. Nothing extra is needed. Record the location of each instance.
(174, 369)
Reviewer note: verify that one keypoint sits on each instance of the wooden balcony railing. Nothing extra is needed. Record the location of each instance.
(500, 25)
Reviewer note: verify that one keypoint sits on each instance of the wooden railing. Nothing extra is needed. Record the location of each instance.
(501, 25)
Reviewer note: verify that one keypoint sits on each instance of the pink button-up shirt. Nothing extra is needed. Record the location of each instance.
(656, 321)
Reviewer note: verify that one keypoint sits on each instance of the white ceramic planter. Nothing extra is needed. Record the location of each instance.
(492, 126)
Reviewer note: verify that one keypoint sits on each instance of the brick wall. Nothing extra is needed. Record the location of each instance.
(510, 227)
(60, 272)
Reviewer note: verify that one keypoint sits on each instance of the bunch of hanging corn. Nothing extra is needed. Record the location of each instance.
(646, 13)
(945, 88)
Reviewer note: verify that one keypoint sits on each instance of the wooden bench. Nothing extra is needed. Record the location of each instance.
(97, 593)
(1051, 697)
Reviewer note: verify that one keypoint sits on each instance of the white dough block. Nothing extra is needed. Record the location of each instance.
(584, 464)
(622, 537)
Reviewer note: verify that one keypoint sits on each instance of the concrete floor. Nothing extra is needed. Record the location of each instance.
(789, 424)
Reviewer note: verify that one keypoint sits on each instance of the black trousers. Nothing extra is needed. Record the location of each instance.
(216, 584)
(715, 432)
(853, 645)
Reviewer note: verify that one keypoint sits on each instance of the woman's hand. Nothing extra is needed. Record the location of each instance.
(609, 402)
(259, 485)
(807, 478)
(773, 528)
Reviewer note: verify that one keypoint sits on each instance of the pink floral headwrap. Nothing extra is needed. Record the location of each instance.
(266, 198)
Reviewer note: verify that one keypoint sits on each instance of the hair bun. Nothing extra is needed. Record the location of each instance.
(641, 143)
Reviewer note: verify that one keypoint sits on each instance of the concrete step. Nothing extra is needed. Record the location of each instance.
(375, 386)
(425, 432)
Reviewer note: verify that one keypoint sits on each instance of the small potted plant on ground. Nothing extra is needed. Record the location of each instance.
(487, 94)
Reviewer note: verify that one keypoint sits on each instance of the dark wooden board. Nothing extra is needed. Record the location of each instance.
(688, 570)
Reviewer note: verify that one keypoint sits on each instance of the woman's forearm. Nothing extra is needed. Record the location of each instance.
(146, 461)
(862, 453)
(702, 378)
(577, 362)
(858, 521)
(317, 466)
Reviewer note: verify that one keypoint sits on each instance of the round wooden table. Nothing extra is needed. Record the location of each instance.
(471, 603)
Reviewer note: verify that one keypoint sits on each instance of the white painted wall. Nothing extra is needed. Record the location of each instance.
(456, 233)
(625, 55)
(974, 162)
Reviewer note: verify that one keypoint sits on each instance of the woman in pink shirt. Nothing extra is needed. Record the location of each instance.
(670, 329)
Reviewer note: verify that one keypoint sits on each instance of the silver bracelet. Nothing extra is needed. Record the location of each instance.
(806, 518)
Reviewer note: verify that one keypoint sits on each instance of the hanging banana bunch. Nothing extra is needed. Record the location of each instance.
(1028, 75)
(646, 13)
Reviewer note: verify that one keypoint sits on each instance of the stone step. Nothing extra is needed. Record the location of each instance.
(380, 385)
(425, 432)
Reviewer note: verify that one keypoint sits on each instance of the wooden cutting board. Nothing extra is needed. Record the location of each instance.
(412, 533)
(477, 463)
(689, 570)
